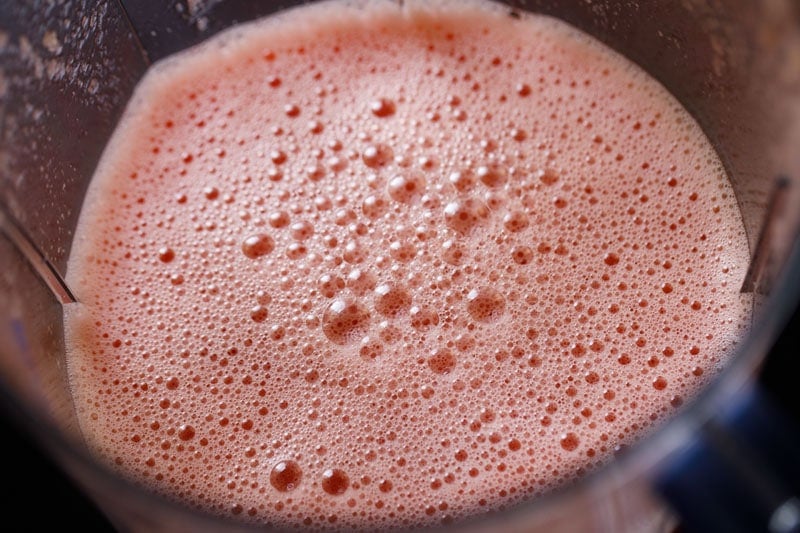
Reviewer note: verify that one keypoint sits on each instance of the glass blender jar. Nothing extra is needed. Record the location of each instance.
(68, 69)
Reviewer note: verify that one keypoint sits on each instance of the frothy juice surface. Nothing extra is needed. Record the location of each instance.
(393, 266)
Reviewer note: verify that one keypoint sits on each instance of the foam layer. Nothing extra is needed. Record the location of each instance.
(395, 266)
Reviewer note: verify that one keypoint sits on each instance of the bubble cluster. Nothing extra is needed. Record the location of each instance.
(392, 279)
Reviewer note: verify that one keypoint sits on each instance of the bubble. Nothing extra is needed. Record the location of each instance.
(335, 482)
(211, 193)
(485, 304)
(374, 206)
(285, 476)
(382, 107)
(515, 221)
(186, 432)
(462, 181)
(166, 254)
(522, 255)
(453, 252)
(423, 318)
(301, 230)
(406, 188)
(354, 252)
(522, 89)
(360, 281)
(259, 313)
(464, 215)
(279, 219)
(370, 348)
(402, 251)
(492, 175)
(345, 321)
(291, 110)
(611, 259)
(278, 157)
(257, 246)
(548, 176)
(263, 297)
(569, 441)
(517, 134)
(296, 251)
(377, 155)
(330, 285)
(391, 300)
(442, 361)
(315, 127)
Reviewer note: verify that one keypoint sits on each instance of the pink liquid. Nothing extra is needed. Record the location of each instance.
(390, 267)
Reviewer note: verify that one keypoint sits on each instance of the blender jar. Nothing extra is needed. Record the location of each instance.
(67, 70)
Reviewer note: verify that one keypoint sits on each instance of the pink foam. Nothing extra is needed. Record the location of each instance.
(390, 267)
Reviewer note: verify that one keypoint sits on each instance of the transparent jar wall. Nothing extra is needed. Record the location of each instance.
(67, 70)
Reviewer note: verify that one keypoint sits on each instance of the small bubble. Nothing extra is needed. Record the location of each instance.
(278, 157)
(211, 193)
(382, 107)
(522, 89)
(291, 110)
(462, 181)
(256, 246)
(548, 176)
(453, 252)
(391, 300)
(185, 432)
(296, 251)
(611, 259)
(335, 481)
(165, 254)
(374, 206)
(423, 318)
(522, 255)
(329, 285)
(442, 361)
(259, 313)
(492, 175)
(345, 321)
(406, 188)
(515, 221)
(360, 281)
(279, 220)
(569, 441)
(377, 155)
(517, 134)
(285, 476)
(485, 304)
(315, 127)
(464, 215)
(301, 230)
(402, 252)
